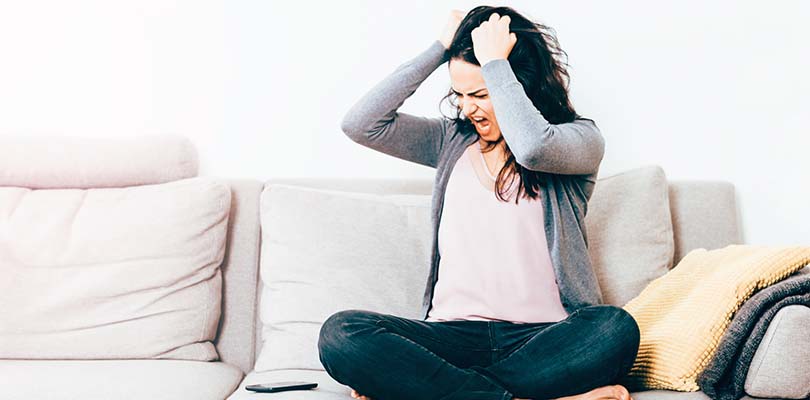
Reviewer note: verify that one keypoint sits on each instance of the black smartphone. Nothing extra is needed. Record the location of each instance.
(281, 386)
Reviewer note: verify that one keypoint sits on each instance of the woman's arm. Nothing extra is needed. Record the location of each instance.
(375, 123)
(574, 148)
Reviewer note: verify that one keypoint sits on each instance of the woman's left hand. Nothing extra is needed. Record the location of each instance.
(492, 39)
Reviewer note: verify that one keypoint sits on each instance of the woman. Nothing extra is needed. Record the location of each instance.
(512, 308)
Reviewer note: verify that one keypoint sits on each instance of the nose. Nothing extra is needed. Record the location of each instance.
(468, 106)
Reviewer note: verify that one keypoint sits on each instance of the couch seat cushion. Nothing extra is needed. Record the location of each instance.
(328, 388)
(117, 379)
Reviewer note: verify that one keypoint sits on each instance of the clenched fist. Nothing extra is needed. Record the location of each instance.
(492, 39)
(452, 25)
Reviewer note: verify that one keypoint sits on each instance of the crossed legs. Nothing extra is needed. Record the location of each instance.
(386, 357)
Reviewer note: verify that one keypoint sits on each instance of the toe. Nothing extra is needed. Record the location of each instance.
(621, 392)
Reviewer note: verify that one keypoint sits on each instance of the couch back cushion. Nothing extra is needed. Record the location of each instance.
(324, 251)
(62, 162)
(629, 226)
(112, 273)
(704, 215)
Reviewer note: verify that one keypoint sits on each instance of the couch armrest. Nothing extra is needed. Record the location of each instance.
(779, 367)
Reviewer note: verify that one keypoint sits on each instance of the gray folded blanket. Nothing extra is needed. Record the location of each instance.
(724, 377)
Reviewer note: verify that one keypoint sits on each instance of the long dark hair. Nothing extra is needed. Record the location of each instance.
(544, 78)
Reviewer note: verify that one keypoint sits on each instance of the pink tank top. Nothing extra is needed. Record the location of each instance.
(495, 263)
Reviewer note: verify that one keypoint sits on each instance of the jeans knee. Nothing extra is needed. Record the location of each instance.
(336, 330)
(617, 326)
(629, 328)
(621, 323)
(626, 335)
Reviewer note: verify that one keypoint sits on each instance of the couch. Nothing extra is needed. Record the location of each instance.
(251, 336)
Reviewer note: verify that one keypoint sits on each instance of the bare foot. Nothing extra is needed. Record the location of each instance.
(611, 392)
(359, 396)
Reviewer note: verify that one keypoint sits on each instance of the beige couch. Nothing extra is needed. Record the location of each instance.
(703, 214)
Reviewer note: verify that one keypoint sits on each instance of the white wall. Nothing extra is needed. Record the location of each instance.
(708, 90)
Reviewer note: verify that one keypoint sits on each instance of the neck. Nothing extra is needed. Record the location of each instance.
(499, 145)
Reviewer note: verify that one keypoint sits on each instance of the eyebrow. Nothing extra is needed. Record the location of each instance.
(471, 93)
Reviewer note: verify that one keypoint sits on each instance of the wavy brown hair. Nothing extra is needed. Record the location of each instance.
(539, 65)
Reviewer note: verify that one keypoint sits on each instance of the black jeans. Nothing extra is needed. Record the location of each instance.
(386, 357)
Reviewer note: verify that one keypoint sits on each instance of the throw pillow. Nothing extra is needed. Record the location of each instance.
(630, 238)
(112, 273)
(324, 251)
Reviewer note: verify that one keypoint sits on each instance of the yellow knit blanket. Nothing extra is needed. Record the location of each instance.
(683, 314)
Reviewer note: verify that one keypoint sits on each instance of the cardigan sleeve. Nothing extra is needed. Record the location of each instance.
(374, 121)
(574, 148)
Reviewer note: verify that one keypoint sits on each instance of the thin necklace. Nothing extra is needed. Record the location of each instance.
(486, 167)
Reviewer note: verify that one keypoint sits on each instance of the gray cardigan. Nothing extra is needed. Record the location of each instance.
(570, 153)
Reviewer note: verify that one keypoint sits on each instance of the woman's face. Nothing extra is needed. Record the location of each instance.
(472, 97)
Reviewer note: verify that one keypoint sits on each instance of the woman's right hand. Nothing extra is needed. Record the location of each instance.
(450, 29)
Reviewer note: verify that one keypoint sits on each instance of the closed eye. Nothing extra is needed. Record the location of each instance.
(477, 94)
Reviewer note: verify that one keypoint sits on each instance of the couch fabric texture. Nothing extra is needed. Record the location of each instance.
(629, 227)
(331, 251)
(60, 162)
(114, 273)
(767, 374)
(117, 379)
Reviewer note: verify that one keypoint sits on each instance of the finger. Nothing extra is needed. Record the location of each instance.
(474, 34)
(494, 17)
(506, 20)
(513, 37)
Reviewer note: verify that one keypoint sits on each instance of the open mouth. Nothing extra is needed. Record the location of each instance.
(481, 124)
